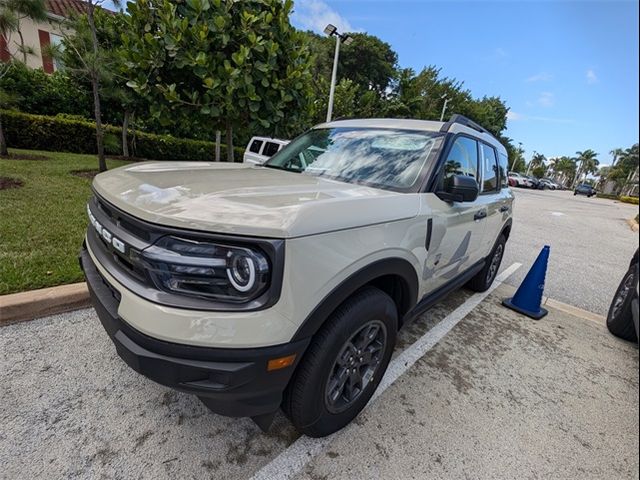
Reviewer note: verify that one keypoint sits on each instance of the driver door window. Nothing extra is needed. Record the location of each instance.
(462, 160)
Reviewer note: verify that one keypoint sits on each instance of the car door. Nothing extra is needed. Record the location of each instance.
(491, 200)
(455, 230)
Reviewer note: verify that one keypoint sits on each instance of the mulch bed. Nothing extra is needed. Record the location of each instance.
(85, 173)
(9, 182)
(23, 156)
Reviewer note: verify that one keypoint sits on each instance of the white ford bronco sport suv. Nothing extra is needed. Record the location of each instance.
(284, 285)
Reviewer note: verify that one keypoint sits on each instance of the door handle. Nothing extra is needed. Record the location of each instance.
(480, 215)
(504, 208)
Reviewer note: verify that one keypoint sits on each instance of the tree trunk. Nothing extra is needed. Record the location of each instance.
(229, 142)
(3, 141)
(218, 136)
(95, 84)
(22, 47)
(125, 131)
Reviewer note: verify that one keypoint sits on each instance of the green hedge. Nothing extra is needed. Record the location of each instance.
(633, 200)
(609, 196)
(60, 134)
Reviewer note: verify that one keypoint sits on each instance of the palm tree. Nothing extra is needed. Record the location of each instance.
(588, 164)
(616, 153)
(536, 161)
(565, 167)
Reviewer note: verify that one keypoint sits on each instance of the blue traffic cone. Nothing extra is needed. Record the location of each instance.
(528, 297)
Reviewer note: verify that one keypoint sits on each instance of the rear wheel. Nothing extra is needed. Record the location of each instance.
(485, 277)
(620, 317)
(343, 365)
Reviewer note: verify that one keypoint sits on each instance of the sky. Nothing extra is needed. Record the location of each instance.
(568, 70)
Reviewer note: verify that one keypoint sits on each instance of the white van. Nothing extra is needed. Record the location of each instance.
(261, 149)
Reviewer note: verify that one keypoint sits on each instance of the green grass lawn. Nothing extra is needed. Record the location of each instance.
(42, 223)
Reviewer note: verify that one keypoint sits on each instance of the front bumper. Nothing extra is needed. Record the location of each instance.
(230, 381)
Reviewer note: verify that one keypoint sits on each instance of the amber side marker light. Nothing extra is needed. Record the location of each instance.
(282, 362)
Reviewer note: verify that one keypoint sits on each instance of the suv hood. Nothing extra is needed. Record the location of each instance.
(244, 200)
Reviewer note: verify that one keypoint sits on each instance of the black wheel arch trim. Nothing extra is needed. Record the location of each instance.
(390, 266)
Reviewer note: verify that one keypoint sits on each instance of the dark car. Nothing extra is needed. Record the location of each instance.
(622, 319)
(585, 189)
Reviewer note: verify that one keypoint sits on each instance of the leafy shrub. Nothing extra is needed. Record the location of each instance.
(39, 132)
(633, 200)
(39, 93)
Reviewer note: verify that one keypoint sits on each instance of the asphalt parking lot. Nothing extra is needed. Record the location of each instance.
(499, 396)
(591, 244)
(474, 390)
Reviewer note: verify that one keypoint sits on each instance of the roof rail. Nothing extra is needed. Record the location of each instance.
(467, 122)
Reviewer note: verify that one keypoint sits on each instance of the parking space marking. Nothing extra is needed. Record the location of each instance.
(292, 460)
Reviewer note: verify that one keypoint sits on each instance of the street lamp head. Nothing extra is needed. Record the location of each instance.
(330, 29)
(347, 40)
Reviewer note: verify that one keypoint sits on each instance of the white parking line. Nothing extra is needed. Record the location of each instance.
(293, 459)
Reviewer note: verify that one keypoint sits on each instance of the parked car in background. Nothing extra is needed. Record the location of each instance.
(585, 189)
(622, 319)
(518, 180)
(546, 183)
(261, 149)
(535, 182)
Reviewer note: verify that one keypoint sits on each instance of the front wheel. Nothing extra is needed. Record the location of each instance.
(343, 364)
(485, 277)
(620, 316)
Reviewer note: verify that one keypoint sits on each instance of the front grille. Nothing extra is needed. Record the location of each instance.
(120, 220)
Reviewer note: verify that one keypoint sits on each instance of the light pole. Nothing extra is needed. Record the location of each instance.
(346, 39)
(444, 107)
(520, 152)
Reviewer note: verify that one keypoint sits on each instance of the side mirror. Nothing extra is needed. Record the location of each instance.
(460, 188)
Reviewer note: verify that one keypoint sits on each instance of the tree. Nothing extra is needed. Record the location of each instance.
(12, 13)
(537, 162)
(90, 54)
(588, 164)
(235, 63)
(368, 61)
(616, 153)
(564, 168)
(622, 172)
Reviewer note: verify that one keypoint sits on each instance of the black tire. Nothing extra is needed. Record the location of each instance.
(485, 277)
(620, 316)
(307, 400)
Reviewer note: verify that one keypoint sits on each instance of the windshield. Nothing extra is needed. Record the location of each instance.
(386, 158)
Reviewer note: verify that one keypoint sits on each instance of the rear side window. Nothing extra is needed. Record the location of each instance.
(255, 146)
(489, 169)
(462, 159)
(503, 165)
(270, 149)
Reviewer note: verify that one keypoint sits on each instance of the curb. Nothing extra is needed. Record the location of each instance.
(18, 307)
(566, 308)
(575, 311)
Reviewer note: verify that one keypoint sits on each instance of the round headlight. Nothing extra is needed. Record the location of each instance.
(241, 272)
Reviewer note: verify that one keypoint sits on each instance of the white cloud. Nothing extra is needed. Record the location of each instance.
(511, 115)
(514, 116)
(316, 14)
(591, 76)
(540, 77)
(546, 99)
